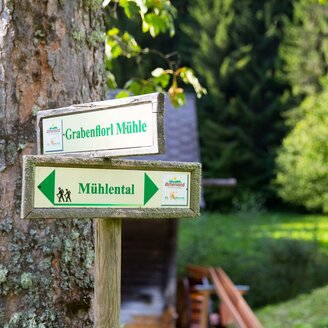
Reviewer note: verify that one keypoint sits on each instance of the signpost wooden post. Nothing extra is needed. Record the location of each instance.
(107, 189)
(107, 298)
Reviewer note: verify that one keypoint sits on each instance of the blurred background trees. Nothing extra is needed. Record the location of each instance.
(303, 159)
(259, 60)
(241, 122)
(302, 162)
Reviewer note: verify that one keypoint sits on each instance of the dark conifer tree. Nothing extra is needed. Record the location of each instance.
(237, 46)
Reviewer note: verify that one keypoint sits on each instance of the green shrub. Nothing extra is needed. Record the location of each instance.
(302, 176)
(248, 204)
(288, 267)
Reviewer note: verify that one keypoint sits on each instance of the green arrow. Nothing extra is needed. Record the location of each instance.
(47, 187)
(150, 189)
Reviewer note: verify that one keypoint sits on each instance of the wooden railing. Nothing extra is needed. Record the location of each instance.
(241, 313)
(202, 283)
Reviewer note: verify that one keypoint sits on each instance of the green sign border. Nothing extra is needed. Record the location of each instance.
(30, 162)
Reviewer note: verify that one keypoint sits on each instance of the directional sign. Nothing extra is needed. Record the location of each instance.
(73, 187)
(119, 127)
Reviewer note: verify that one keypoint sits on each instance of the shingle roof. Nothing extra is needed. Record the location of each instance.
(181, 132)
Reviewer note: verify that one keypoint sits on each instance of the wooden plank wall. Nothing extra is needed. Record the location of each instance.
(148, 267)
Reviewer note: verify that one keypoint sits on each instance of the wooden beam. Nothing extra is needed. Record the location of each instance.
(243, 308)
(226, 299)
(231, 182)
(107, 299)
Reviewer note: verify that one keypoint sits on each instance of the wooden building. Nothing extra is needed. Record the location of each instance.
(149, 248)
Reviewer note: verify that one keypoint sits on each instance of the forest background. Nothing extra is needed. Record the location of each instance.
(264, 65)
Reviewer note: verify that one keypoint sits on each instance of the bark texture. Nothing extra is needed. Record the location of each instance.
(50, 56)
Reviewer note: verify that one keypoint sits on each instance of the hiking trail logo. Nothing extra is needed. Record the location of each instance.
(175, 183)
(53, 129)
(175, 189)
(53, 136)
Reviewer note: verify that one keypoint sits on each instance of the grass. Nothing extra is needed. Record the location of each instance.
(305, 311)
(296, 226)
(280, 255)
(243, 231)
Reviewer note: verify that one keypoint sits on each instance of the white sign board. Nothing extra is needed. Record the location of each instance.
(68, 187)
(120, 127)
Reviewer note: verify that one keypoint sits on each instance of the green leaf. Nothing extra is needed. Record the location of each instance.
(142, 5)
(110, 80)
(158, 18)
(133, 86)
(130, 45)
(156, 24)
(241, 63)
(177, 96)
(120, 45)
(145, 26)
(162, 81)
(123, 94)
(140, 86)
(113, 31)
(189, 77)
(161, 77)
(155, 4)
(131, 9)
(178, 99)
(115, 50)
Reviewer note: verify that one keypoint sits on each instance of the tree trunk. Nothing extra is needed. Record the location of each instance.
(51, 55)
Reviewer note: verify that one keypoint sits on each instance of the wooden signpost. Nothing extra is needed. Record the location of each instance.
(107, 189)
(69, 187)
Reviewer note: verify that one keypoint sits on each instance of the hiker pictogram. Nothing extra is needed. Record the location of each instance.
(62, 196)
(68, 196)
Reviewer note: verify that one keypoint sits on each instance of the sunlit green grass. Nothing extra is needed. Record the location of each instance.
(296, 226)
(243, 230)
(267, 224)
(305, 311)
